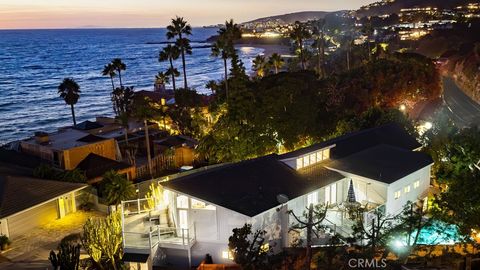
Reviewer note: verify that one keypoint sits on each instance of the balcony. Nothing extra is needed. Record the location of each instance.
(145, 227)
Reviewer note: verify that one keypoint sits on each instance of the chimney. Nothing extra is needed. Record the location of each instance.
(41, 137)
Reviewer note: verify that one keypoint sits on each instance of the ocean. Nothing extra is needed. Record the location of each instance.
(34, 62)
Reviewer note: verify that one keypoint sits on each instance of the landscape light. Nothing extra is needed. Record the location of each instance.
(403, 107)
(428, 125)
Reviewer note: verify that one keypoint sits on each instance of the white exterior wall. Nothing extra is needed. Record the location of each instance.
(394, 206)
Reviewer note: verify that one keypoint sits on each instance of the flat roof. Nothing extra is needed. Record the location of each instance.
(66, 139)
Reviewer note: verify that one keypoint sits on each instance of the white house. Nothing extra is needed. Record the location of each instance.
(26, 203)
(380, 167)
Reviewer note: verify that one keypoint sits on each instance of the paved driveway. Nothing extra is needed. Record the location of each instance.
(32, 250)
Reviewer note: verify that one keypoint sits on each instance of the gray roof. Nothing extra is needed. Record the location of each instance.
(250, 187)
(66, 139)
(383, 163)
(18, 193)
(391, 134)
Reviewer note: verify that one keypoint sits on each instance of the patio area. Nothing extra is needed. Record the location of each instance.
(32, 250)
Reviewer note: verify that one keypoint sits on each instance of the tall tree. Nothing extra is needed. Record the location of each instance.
(109, 70)
(180, 29)
(319, 45)
(248, 248)
(276, 61)
(299, 34)
(145, 110)
(69, 90)
(224, 46)
(170, 53)
(119, 66)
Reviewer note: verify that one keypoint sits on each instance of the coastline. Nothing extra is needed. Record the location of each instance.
(268, 49)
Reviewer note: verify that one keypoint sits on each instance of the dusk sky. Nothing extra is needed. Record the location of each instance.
(150, 13)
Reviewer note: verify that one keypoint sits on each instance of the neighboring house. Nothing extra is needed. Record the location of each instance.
(66, 148)
(379, 167)
(96, 166)
(26, 203)
(181, 147)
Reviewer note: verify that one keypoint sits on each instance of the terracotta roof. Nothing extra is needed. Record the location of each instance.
(19, 193)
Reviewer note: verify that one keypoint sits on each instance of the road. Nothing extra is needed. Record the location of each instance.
(463, 110)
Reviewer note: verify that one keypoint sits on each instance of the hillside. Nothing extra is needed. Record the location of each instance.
(292, 17)
(389, 7)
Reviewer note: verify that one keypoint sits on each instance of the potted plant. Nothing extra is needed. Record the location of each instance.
(4, 242)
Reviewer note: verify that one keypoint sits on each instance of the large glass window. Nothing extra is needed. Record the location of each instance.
(319, 156)
(306, 161)
(333, 196)
(327, 194)
(182, 201)
(183, 218)
(326, 154)
(313, 158)
(312, 198)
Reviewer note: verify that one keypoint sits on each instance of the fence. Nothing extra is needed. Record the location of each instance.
(160, 163)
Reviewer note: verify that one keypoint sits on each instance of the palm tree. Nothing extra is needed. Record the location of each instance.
(117, 188)
(319, 45)
(260, 66)
(161, 79)
(181, 29)
(221, 49)
(69, 90)
(109, 70)
(170, 53)
(346, 42)
(224, 46)
(118, 65)
(276, 61)
(299, 34)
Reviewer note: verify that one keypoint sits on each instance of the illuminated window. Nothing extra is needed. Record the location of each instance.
(299, 163)
(313, 158)
(182, 201)
(326, 154)
(183, 217)
(196, 204)
(397, 194)
(306, 161)
(312, 198)
(406, 189)
(227, 255)
(416, 184)
(319, 156)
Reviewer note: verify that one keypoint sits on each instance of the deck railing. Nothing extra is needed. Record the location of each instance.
(156, 234)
